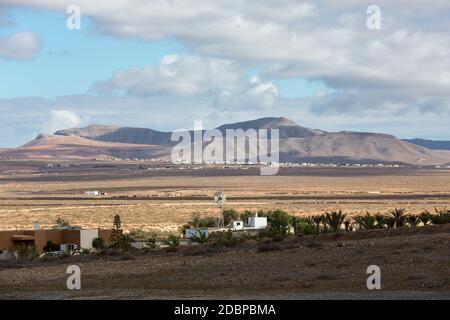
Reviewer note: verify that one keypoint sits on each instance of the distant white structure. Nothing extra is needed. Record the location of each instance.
(91, 193)
(256, 222)
(237, 225)
(195, 232)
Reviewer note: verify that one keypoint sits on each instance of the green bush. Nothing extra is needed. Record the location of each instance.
(306, 229)
(229, 215)
(279, 221)
(99, 244)
(173, 241)
(151, 243)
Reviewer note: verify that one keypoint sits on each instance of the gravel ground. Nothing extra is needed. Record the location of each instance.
(414, 265)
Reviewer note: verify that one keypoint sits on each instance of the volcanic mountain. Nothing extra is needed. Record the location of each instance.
(297, 144)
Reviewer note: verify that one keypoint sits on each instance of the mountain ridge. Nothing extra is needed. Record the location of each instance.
(297, 144)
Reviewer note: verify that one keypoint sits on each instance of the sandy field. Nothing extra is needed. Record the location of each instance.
(164, 201)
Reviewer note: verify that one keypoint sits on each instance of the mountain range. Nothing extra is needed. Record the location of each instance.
(297, 144)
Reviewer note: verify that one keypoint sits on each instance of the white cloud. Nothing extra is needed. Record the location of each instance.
(221, 82)
(61, 119)
(20, 46)
(400, 74)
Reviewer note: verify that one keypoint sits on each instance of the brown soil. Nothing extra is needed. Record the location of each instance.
(411, 261)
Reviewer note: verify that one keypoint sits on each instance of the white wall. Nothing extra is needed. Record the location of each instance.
(191, 232)
(86, 237)
(257, 222)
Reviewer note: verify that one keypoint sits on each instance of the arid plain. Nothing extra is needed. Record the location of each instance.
(157, 196)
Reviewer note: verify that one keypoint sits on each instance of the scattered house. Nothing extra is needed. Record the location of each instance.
(253, 223)
(68, 238)
(91, 193)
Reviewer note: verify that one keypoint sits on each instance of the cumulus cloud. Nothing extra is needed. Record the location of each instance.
(20, 46)
(326, 40)
(222, 82)
(61, 119)
(399, 74)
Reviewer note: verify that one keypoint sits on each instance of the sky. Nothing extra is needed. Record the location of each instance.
(164, 64)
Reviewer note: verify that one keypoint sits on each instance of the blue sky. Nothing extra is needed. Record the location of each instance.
(71, 59)
(162, 64)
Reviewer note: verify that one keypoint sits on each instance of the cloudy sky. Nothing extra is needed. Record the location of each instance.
(165, 63)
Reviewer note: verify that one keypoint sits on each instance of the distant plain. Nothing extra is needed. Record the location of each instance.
(158, 196)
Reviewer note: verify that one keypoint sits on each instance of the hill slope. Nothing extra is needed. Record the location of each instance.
(430, 144)
(297, 144)
(74, 147)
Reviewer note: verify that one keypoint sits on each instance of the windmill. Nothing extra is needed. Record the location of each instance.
(220, 198)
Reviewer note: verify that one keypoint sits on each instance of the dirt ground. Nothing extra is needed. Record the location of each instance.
(414, 262)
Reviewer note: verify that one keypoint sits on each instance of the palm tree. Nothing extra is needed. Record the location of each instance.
(317, 220)
(200, 238)
(441, 216)
(380, 220)
(334, 219)
(425, 217)
(366, 221)
(413, 220)
(398, 216)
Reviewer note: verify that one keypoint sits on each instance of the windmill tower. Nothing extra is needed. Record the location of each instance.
(219, 199)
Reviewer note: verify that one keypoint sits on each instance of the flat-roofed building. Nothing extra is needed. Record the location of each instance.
(72, 238)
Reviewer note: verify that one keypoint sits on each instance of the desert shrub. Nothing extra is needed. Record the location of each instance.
(277, 233)
(399, 216)
(307, 229)
(229, 215)
(125, 244)
(247, 214)
(183, 229)
(173, 241)
(22, 250)
(279, 221)
(318, 219)
(60, 222)
(441, 216)
(304, 226)
(151, 243)
(425, 217)
(201, 238)
(413, 220)
(334, 220)
(250, 236)
(202, 222)
(99, 244)
(366, 221)
(227, 239)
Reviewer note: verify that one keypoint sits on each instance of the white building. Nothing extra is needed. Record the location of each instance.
(237, 225)
(257, 222)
